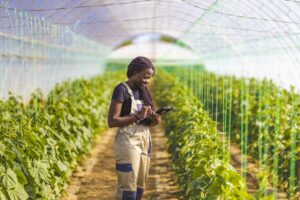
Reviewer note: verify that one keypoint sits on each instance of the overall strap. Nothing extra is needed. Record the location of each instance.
(128, 89)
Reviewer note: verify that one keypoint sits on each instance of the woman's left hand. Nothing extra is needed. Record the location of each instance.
(156, 118)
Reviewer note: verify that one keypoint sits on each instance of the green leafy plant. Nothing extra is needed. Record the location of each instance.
(198, 157)
(257, 115)
(42, 142)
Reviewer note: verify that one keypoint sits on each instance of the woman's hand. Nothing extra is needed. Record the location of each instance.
(145, 112)
(156, 118)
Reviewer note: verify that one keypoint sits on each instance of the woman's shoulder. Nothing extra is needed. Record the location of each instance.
(120, 87)
(120, 93)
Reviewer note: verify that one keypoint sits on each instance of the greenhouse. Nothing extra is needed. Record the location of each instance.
(150, 99)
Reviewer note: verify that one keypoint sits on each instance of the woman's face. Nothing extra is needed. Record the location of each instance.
(142, 78)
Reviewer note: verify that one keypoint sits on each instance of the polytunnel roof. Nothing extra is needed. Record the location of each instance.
(252, 37)
(113, 21)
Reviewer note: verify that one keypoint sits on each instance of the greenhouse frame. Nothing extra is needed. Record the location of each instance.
(230, 69)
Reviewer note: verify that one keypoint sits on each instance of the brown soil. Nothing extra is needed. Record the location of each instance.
(95, 178)
(252, 168)
(162, 183)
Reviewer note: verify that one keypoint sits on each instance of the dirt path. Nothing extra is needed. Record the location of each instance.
(162, 182)
(95, 178)
(252, 168)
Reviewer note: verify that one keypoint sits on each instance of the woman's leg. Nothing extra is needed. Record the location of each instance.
(142, 175)
(127, 168)
(144, 165)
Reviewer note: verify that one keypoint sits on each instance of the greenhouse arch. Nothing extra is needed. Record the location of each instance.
(227, 79)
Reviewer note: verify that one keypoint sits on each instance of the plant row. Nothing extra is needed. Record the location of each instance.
(200, 162)
(42, 141)
(258, 115)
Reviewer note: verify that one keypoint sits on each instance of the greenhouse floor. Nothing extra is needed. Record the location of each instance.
(95, 178)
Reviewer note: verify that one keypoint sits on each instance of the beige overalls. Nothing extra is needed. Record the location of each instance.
(132, 148)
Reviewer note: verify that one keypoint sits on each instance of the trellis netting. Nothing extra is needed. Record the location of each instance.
(250, 38)
(35, 53)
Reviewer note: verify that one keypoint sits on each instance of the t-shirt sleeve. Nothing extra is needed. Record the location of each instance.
(119, 93)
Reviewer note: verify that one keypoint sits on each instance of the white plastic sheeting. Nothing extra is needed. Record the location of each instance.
(156, 51)
(113, 21)
(250, 38)
(243, 37)
(35, 53)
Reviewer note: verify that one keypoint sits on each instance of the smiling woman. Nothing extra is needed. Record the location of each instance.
(131, 102)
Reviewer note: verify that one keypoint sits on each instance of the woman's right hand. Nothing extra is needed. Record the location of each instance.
(145, 112)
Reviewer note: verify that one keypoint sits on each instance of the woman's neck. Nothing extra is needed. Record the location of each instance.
(131, 84)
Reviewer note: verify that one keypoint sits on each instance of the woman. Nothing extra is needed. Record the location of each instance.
(131, 102)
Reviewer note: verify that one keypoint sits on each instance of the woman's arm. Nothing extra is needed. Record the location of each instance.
(114, 119)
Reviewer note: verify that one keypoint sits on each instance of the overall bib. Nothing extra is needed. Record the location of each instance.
(132, 148)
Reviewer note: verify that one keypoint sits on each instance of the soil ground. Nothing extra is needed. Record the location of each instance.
(95, 178)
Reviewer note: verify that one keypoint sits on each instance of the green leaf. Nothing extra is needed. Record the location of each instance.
(47, 191)
(40, 170)
(17, 193)
(2, 149)
(9, 179)
(61, 166)
(30, 188)
(2, 170)
(2, 196)
(21, 176)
